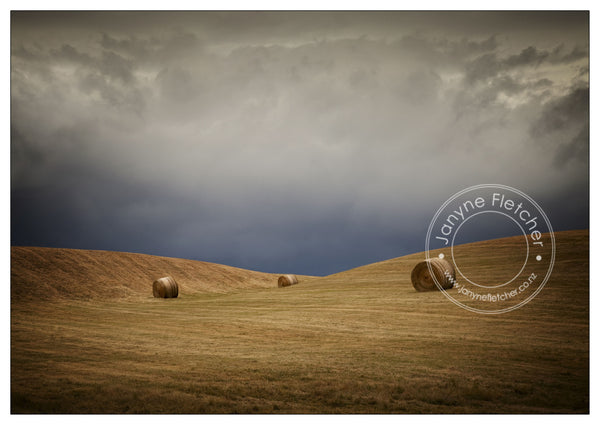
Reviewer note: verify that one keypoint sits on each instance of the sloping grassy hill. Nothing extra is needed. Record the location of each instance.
(361, 341)
(53, 273)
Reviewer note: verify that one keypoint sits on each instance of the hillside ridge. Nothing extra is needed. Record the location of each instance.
(50, 273)
(563, 235)
(55, 273)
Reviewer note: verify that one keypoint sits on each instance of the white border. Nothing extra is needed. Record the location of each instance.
(314, 5)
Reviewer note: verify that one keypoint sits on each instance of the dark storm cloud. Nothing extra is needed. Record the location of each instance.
(489, 65)
(109, 65)
(302, 142)
(529, 56)
(564, 127)
(576, 148)
(566, 111)
(70, 54)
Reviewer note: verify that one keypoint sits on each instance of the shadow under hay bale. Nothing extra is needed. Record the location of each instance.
(287, 280)
(423, 281)
(165, 287)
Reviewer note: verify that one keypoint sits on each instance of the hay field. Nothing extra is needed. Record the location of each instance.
(361, 341)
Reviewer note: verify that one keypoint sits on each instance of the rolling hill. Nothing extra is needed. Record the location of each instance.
(57, 273)
(87, 337)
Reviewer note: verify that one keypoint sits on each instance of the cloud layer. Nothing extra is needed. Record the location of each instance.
(301, 142)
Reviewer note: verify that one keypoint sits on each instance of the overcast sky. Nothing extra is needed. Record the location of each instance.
(301, 142)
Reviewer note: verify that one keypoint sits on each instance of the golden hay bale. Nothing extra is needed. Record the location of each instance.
(444, 274)
(287, 280)
(165, 287)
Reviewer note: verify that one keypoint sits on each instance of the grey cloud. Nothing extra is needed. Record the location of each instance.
(22, 53)
(571, 109)
(225, 137)
(544, 82)
(70, 54)
(109, 64)
(421, 86)
(177, 84)
(132, 46)
(575, 54)
(116, 67)
(530, 56)
(465, 48)
(563, 126)
(577, 148)
(473, 98)
(443, 52)
(584, 71)
(172, 45)
(482, 67)
(106, 73)
(486, 45)
(489, 65)
(128, 99)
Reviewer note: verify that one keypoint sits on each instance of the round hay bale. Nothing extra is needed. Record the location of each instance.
(287, 280)
(423, 281)
(165, 287)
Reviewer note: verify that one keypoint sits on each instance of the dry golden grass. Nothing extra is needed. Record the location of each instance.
(361, 341)
(57, 273)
